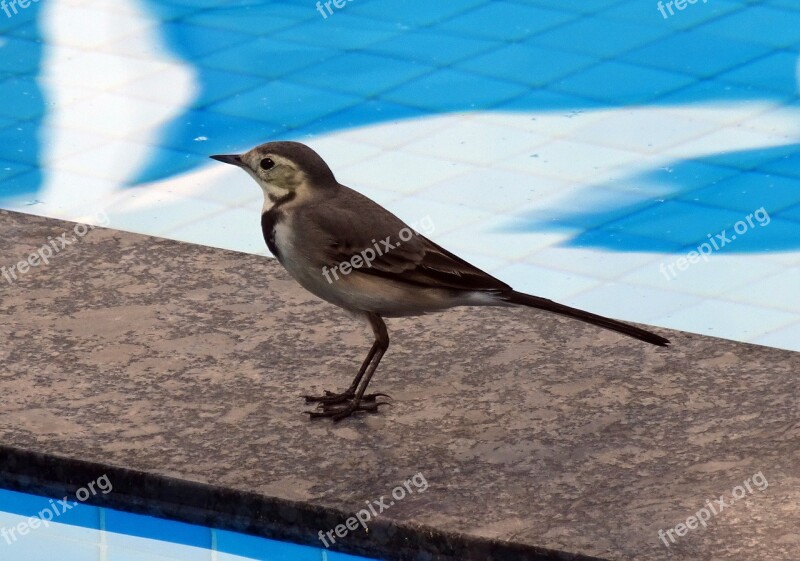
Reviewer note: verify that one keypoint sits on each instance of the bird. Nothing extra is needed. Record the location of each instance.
(319, 230)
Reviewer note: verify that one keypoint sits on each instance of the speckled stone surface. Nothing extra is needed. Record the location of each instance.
(178, 370)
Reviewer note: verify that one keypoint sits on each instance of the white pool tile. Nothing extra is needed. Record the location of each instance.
(591, 262)
(113, 114)
(340, 152)
(403, 172)
(490, 236)
(60, 142)
(215, 183)
(571, 160)
(549, 123)
(432, 218)
(123, 547)
(52, 533)
(546, 282)
(731, 138)
(495, 190)
(152, 87)
(155, 212)
(476, 142)
(105, 26)
(642, 304)
(86, 192)
(779, 290)
(711, 278)
(784, 338)
(41, 548)
(115, 162)
(403, 132)
(636, 131)
(65, 95)
(101, 71)
(729, 320)
(727, 114)
(236, 229)
(788, 258)
(777, 122)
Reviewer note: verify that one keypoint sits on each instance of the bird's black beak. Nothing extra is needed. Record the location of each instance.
(234, 159)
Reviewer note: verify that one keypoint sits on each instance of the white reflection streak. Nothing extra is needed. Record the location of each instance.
(100, 123)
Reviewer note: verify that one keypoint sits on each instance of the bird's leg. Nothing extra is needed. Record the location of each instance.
(349, 393)
(360, 402)
(340, 411)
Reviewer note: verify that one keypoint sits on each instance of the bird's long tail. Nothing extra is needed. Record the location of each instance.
(523, 299)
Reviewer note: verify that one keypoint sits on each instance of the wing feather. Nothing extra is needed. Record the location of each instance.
(362, 227)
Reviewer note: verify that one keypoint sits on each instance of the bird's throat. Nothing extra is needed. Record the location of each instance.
(272, 201)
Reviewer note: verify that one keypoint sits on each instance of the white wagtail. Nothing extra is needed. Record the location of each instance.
(315, 225)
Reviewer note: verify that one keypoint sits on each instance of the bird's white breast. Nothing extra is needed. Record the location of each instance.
(299, 261)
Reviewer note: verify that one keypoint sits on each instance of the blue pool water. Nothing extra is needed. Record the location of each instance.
(89, 533)
(573, 148)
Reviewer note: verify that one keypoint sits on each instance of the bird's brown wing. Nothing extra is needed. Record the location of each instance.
(352, 224)
(432, 266)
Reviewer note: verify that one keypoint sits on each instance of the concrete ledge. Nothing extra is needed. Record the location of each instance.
(178, 369)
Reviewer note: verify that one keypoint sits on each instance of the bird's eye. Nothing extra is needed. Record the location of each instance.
(267, 164)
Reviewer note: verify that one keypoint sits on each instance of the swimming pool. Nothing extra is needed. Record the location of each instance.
(81, 532)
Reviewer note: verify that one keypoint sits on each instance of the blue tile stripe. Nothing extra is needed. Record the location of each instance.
(168, 531)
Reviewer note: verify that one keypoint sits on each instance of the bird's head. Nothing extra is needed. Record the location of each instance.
(283, 170)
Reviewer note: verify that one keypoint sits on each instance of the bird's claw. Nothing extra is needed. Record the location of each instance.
(339, 413)
(331, 398)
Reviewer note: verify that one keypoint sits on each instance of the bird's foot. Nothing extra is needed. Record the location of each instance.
(331, 398)
(344, 411)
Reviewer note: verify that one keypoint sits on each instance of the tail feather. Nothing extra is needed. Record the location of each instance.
(523, 299)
